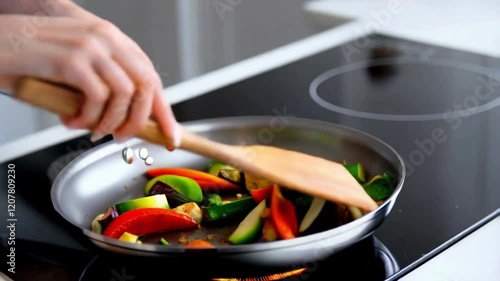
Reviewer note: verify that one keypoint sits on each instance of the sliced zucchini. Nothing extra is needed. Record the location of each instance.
(250, 227)
(153, 201)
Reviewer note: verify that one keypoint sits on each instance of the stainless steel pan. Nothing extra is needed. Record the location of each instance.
(101, 177)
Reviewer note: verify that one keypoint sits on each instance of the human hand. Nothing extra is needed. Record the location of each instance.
(122, 89)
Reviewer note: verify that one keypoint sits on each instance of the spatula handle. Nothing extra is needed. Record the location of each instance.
(63, 100)
(66, 101)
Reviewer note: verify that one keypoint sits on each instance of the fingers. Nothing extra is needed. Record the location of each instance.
(165, 117)
(96, 92)
(140, 110)
(135, 48)
(147, 98)
(140, 72)
(115, 105)
(72, 66)
(145, 85)
(122, 90)
(7, 82)
(121, 86)
(123, 68)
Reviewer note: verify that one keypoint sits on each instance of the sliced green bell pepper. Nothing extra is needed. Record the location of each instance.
(229, 210)
(379, 187)
(357, 172)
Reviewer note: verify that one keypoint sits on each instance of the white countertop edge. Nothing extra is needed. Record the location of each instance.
(37, 141)
(261, 63)
(362, 10)
(443, 42)
(202, 84)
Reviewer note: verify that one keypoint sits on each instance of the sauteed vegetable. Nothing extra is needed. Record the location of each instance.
(183, 206)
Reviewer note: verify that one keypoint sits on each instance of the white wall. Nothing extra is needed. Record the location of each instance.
(17, 120)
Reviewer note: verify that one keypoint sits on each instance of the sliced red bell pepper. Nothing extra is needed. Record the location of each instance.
(262, 193)
(206, 181)
(148, 220)
(283, 215)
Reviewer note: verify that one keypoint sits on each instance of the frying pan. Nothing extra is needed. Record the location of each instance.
(101, 177)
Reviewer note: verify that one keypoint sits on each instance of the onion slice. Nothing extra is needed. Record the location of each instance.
(313, 212)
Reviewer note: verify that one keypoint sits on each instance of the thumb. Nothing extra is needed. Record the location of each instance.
(8, 83)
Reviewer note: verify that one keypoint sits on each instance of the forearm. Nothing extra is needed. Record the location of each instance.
(42, 8)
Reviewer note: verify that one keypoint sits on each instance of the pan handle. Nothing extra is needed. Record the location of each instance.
(63, 100)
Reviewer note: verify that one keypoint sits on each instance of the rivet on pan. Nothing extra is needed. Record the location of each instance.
(128, 155)
(149, 160)
(143, 153)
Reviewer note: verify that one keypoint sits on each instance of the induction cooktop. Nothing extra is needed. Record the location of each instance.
(437, 107)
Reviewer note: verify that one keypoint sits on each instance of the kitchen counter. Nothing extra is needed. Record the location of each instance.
(464, 25)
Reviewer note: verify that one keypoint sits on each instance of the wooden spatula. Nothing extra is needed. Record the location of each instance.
(295, 170)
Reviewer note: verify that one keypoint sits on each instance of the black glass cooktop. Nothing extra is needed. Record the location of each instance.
(437, 107)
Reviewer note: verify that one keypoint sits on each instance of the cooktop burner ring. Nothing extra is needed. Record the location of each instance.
(394, 61)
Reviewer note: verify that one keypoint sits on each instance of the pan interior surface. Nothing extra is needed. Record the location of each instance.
(101, 177)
